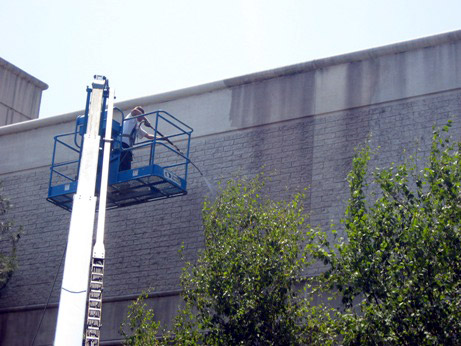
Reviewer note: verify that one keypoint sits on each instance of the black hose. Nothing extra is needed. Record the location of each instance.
(49, 296)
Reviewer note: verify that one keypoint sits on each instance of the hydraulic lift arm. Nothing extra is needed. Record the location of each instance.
(93, 320)
(74, 290)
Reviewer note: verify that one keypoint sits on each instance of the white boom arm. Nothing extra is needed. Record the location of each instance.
(93, 323)
(98, 250)
(72, 303)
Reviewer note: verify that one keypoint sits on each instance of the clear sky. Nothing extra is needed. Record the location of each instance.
(146, 47)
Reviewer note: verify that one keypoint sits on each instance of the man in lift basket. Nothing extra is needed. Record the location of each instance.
(131, 130)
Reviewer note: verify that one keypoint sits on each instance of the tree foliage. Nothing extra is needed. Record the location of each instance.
(396, 275)
(9, 237)
(243, 287)
(399, 273)
(140, 327)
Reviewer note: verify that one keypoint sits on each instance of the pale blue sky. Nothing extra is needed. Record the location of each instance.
(146, 47)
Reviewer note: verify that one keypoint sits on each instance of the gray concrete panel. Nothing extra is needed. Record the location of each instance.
(340, 83)
(20, 326)
(20, 94)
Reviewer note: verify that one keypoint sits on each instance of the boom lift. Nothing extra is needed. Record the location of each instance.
(83, 168)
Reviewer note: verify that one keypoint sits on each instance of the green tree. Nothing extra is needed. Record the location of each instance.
(399, 273)
(140, 327)
(9, 237)
(245, 287)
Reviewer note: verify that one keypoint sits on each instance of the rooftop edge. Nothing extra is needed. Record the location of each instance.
(371, 53)
(37, 82)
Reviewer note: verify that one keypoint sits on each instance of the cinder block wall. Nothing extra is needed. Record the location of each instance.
(300, 122)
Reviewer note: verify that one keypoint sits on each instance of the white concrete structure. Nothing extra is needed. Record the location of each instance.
(20, 94)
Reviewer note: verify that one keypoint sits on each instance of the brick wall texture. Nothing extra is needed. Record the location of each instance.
(142, 242)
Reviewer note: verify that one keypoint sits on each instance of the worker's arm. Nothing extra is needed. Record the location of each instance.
(148, 135)
(144, 134)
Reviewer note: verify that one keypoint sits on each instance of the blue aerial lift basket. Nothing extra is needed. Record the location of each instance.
(159, 167)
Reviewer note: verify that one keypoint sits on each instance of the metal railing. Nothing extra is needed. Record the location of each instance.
(169, 133)
(169, 149)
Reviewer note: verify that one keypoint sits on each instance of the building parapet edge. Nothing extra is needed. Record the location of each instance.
(37, 82)
(371, 53)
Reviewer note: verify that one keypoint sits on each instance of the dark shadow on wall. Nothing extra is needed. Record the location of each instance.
(271, 100)
(336, 137)
(283, 148)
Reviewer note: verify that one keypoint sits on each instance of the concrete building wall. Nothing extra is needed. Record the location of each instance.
(20, 94)
(300, 122)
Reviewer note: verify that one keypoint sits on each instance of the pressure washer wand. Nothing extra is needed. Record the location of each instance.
(162, 137)
(198, 169)
(210, 186)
